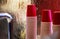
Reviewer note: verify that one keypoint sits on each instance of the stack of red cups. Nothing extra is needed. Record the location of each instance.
(46, 24)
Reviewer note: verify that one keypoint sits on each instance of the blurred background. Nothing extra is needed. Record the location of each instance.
(17, 8)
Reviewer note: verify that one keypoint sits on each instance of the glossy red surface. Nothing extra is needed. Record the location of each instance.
(56, 18)
(31, 10)
(46, 16)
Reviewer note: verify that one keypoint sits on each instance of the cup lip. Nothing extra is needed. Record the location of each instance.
(56, 11)
(46, 10)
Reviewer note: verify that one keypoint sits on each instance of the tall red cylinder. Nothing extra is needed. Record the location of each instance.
(31, 27)
(56, 24)
(46, 24)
